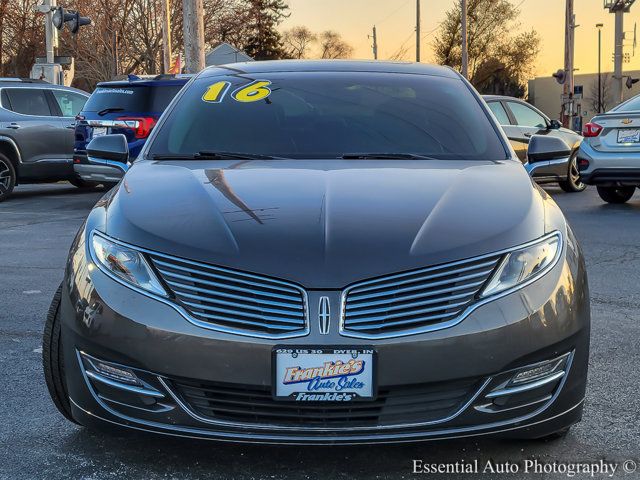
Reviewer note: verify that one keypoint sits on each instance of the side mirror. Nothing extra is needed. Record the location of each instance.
(109, 149)
(555, 125)
(544, 147)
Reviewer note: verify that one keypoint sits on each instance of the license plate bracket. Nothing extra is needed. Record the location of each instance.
(99, 132)
(324, 374)
(630, 135)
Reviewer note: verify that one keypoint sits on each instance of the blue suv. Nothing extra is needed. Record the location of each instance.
(130, 107)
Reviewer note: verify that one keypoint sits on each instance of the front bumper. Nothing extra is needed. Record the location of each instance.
(549, 170)
(93, 172)
(108, 321)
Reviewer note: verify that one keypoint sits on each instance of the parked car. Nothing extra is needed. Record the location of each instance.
(36, 132)
(130, 107)
(520, 120)
(609, 157)
(323, 252)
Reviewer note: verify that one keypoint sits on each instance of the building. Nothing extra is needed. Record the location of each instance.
(225, 53)
(546, 94)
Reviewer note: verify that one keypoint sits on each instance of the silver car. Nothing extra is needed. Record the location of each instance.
(609, 156)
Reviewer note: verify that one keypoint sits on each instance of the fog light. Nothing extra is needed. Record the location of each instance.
(116, 373)
(539, 371)
(110, 370)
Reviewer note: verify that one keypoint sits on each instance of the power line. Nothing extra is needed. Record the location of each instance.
(394, 12)
(431, 31)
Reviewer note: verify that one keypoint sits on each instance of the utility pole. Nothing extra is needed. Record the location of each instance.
(618, 8)
(618, 56)
(374, 36)
(166, 36)
(465, 51)
(51, 33)
(193, 16)
(567, 87)
(599, 27)
(116, 57)
(417, 30)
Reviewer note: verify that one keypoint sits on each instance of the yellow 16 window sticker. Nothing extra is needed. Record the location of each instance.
(253, 92)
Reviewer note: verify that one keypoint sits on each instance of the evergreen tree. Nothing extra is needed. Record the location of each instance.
(263, 41)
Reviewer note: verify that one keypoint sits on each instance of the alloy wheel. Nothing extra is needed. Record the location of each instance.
(574, 174)
(5, 177)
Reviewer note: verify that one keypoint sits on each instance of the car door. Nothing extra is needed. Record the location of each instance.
(528, 122)
(510, 129)
(67, 105)
(36, 132)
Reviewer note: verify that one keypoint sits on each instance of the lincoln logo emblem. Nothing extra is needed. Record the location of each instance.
(324, 315)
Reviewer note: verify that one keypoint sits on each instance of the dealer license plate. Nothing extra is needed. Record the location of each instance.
(629, 135)
(99, 131)
(324, 374)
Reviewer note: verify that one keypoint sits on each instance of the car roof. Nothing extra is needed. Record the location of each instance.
(31, 83)
(502, 97)
(277, 66)
(164, 80)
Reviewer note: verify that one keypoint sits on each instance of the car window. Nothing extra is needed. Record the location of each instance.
(70, 103)
(526, 116)
(132, 99)
(631, 105)
(329, 114)
(28, 101)
(500, 113)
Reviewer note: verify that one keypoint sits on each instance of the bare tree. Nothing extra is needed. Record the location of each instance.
(297, 41)
(22, 36)
(491, 43)
(605, 94)
(333, 46)
(125, 36)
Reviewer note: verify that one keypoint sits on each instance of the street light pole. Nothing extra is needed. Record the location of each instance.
(599, 27)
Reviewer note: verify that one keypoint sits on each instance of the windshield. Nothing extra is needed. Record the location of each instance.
(329, 115)
(131, 99)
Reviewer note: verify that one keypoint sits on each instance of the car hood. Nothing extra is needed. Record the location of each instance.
(325, 223)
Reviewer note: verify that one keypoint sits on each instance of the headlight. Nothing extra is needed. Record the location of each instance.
(126, 264)
(524, 265)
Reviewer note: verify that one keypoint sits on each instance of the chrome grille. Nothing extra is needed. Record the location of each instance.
(235, 301)
(415, 301)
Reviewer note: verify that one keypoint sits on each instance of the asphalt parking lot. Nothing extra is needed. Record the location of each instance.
(36, 228)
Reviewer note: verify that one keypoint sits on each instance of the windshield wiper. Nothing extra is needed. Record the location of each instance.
(104, 111)
(208, 155)
(384, 156)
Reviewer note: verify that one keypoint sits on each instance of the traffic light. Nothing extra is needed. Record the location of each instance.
(75, 21)
(78, 21)
(630, 81)
(560, 76)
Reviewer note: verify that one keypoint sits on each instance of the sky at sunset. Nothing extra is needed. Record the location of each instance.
(395, 22)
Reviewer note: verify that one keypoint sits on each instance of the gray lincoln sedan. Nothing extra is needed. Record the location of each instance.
(323, 252)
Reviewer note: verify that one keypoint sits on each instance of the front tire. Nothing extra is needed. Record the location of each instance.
(616, 194)
(573, 184)
(7, 177)
(53, 359)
